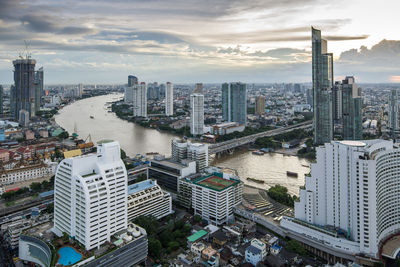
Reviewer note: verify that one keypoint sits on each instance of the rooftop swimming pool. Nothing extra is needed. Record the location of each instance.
(68, 256)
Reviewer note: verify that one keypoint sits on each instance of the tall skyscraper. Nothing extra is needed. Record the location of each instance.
(234, 102)
(196, 114)
(394, 113)
(260, 105)
(90, 196)
(350, 202)
(39, 88)
(1, 100)
(337, 101)
(169, 99)
(322, 75)
(132, 80)
(140, 100)
(352, 109)
(23, 92)
(128, 95)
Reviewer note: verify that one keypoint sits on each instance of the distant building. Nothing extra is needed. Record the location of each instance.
(199, 88)
(394, 113)
(23, 93)
(23, 118)
(140, 100)
(169, 99)
(25, 173)
(337, 101)
(196, 114)
(260, 105)
(132, 80)
(227, 128)
(128, 95)
(234, 102)
(148, 199)
(322, 75)
(1, 100)
(352, 110)
(90, 198)
(39, 88)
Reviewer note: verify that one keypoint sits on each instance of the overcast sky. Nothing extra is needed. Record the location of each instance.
(99, 41)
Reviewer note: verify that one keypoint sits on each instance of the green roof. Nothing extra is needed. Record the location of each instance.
(215, 182)
(196, 236)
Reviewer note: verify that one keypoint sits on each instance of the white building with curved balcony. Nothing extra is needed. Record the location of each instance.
(350, 204)
(90, 196)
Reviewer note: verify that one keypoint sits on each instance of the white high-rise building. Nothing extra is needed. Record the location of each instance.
(140, 100)
(183, 150)
(90, 196)
(196, 114)
(169, 99)
(350, 203)
(128, 95)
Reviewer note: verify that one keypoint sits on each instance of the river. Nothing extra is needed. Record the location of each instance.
(135, 139)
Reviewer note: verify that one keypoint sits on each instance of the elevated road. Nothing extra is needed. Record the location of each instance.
(230, 144)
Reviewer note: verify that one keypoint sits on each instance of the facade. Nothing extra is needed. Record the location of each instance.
(147, 199)
(352, 110)
(196, 114)
(90, 196)
(213, 197)
(140, 100)
(23, 118)
(394, 111)
(128, 95)
(199, 88)
(39, 88)
(25, 173)
(183, 151)
(337, 101)
(256, 252)
(234, 102)
(227, 128)
(132, 80)
(168, 172)
(169, 99)
(322, 75)
(34, 250)
(349, 204)
(260, 105)
(1, 100)
(22, 95)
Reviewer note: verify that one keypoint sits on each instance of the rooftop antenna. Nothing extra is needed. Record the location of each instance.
(27, 52)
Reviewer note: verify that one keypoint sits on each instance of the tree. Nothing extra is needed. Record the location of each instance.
(50, 208)
(63, 135)
(280, 194)
(123, 154)
(187, 227)
(296, 247)
(197, 218)
(35, 186)
(155, 247)
(166, 237)
(173, 245)
(149, 223)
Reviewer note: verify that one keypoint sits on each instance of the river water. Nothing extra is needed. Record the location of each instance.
(134, 139)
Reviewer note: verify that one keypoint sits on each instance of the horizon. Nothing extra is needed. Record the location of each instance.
(183, 41)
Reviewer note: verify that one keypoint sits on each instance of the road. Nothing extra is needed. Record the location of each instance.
(223, 146)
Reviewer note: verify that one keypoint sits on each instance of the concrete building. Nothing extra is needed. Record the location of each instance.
(25, 173)
(147, 199)
(22, 95)
(260, 105)
(196, 114)
(351, 110)
(394, 113)
(169, 99)
(140, 100)
(234, 102)
(168, 172)
(1, 100)
(128, 95)
(183, 150)
(132, 80)
(322, 75)
(349, 206)
(214, 196)
(337, 101)
(227, 128)
(256, 252)
(199, 88)
(39, 88)
(90, 199)
(23, 118)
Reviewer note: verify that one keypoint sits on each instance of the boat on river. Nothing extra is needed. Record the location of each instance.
(258, 152)
(255, 180)
(292, 174)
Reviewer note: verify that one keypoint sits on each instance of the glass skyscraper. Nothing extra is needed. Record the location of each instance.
(234, 102)
(351, 110)
(322, 75)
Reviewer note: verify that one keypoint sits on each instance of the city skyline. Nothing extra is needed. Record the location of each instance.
(260, 41)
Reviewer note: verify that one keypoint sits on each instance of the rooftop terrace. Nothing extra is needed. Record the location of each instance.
(215, 182)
